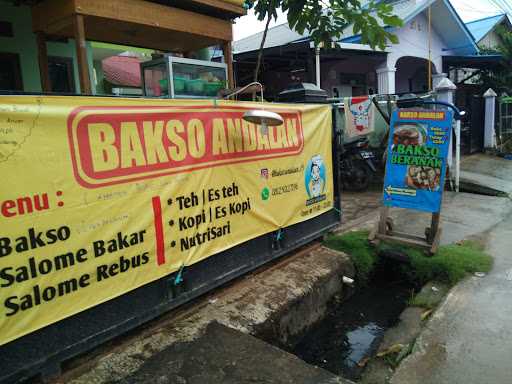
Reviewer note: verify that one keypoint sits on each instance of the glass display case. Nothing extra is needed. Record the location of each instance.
(176, 77)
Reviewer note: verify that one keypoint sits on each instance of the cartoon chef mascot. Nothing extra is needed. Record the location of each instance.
(316, 182)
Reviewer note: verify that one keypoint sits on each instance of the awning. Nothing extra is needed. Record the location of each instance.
(472, 61)
(133, 22)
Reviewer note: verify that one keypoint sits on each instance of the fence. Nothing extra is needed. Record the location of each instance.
(504, 124)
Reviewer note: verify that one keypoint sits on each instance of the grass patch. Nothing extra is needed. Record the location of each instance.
(356, 245)
(450, 264)
(423, 302)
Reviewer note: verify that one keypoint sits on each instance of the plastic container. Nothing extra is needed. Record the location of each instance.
(212, 88)
(179, 84)
(195, 87)
(164, 86)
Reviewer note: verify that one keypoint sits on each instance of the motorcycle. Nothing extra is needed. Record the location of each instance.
(357, 165)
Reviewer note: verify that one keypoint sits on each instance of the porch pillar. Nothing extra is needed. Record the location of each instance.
(228, 59)
(386, 80)
(490, 109)
(317, 67)
(445, 92)
(436, 79)
(42, 56)
(81, 54)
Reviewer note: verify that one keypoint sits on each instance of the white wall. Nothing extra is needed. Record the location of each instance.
(491, 40)
(413, 41)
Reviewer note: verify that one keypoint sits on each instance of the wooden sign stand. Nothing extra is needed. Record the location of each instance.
(384, 230)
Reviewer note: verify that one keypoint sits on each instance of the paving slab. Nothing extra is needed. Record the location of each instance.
(223, 355)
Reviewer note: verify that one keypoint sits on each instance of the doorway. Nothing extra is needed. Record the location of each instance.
(10, 72)
(62, 79)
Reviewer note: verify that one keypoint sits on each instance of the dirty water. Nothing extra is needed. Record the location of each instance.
(353, 329)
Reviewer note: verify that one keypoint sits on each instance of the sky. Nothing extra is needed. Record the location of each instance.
(467, 9)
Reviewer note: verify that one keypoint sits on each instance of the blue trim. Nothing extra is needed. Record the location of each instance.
(357, 38)
(477, 25)
(485, 18)
(462, 25)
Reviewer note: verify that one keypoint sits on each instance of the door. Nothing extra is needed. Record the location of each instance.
(10, 72)
(60, 70)
(477, 117)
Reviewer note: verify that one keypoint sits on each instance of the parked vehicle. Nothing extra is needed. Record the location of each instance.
(356, 164)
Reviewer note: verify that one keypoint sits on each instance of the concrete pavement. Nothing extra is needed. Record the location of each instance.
(469, 338)
(226, 356)
(463, 215)
(487, 174)
(273, 304)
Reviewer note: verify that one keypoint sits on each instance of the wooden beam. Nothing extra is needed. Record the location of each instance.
(156, 15)
(51, 15)
(228, 59)
(144, 36)
(42, 56)
(81, 54)
(222, 5)
(225, 6)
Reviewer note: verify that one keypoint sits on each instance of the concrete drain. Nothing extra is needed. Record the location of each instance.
(352, 330)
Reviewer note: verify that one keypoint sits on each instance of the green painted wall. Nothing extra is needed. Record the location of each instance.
(24, 44)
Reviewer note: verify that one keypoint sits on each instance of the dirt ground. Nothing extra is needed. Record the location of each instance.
(359, 204)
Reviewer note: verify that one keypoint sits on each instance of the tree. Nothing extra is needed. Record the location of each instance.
(499, 78)
(325, 20)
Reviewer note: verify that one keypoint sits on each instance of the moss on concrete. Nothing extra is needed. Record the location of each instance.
(430, 295)
(449, 265)
(356, 245)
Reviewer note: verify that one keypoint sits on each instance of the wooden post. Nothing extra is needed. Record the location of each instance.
(81, 54)
(228, 59)
(42, 56)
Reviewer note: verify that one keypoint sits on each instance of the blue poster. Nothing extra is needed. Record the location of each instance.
(416, 163)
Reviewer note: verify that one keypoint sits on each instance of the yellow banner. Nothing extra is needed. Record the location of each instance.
(103, 195)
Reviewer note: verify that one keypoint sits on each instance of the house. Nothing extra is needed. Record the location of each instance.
(484, 30)
(465, 71)
(432, 32)
(61, 45)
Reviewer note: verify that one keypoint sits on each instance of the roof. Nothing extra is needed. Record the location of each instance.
(281, 34)
(473, 61)
(456, 34)
(481, 27)
(404, 9)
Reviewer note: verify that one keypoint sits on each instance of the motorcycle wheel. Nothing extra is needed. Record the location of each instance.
(362, 176)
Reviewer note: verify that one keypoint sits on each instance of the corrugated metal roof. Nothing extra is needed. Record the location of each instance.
(276, 36)
(481, 27)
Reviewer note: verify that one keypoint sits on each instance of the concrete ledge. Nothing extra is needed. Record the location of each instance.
(226, 356)
(275, 304)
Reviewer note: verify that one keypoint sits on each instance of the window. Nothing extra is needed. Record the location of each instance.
(61, 75)
(6, 29)
(10, 72)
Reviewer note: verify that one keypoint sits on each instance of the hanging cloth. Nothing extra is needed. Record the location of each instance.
(359, 116)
